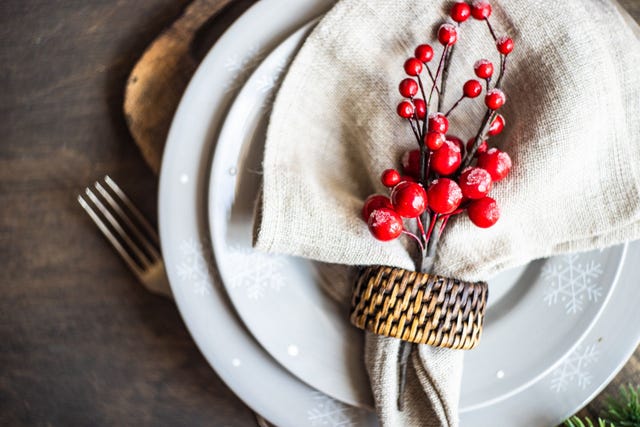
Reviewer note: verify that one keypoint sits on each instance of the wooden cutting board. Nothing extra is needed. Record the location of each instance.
(160, 77)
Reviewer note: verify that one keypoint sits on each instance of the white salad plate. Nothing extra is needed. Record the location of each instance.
(241, 362)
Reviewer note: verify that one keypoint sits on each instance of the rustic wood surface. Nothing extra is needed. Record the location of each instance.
(81, 343)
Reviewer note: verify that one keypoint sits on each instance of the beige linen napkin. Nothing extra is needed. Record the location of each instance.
(573, 132)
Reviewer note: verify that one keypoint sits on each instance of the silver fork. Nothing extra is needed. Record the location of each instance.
(132, 237)
(128, 231)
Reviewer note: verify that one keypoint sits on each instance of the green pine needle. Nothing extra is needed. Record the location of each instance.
(621, 411)
(577, 422)
(624, 411)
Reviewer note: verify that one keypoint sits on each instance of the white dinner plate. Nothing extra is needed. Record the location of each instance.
(552, 302)
(261, 382)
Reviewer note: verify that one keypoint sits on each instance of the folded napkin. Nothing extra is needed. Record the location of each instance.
(573, 133)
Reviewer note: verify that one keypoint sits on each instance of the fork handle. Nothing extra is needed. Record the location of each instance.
(155, 280)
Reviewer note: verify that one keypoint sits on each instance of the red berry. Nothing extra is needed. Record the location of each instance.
(434, 140)
(497, 125)
(408, 88)
(446, 159)
(484, 212)
(421, 108)
(495, 99)
(424, 53)
(483, 68)
(460, 11)
(438, 122)
(411, 163)
(409, 199)
(385, 224)
(408, 178)
(472, 88)
(447, 34)
(390, 177)
(496, 162)
(504, 45)
(444, 196)
(482, 148)
(456, 141)
(480, 9)
(413, 66)
(373, 202)
(405, 110)
(475, 183)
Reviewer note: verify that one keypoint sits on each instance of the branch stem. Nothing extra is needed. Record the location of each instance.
(454, 106)
(493, 33)
(488, 116)
(445, 75)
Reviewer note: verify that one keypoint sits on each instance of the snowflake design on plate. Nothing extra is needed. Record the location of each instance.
(256, 272)
(268, 81)
(573, 369)
(329, 412)
(572, 282)
(194, 265)
(241, 66)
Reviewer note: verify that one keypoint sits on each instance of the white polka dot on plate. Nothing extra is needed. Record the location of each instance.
(293, 350)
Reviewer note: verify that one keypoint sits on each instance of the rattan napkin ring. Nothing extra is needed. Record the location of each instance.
(419, 308)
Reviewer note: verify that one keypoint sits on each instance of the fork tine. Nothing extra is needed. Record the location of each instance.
(144, 240)
(105, 230)
(116, 225)
(139, 217)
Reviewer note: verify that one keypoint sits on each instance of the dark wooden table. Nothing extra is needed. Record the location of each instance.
(81, 343)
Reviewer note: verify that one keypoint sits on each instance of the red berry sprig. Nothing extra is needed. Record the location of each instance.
(443, 176)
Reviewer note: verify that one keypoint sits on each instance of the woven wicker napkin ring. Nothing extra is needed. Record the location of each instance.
(419, 308)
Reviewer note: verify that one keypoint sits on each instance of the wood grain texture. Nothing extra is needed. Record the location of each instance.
(81, 343)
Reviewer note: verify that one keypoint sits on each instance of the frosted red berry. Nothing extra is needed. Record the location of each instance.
(373, 202)
(438, 122)
(496, 162)
(405, 109)
(390, 177)
(483, 68)
(460, 11)
(434, 140)
(446, 159)
(472, 88)
(495, 99)
(480, 9)
(385, 224)
(447, 34)
(411, 163)
(497, 125)
(421, 108)
(408, 88)
(413, 66)
(424, 53)
(456, 141)
(444, 196)
(482, 148)
(504, 45)
(484, 212)
(409, 199)
(475, 183)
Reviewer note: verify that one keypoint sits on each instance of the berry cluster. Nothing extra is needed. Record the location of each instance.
(444, 176)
